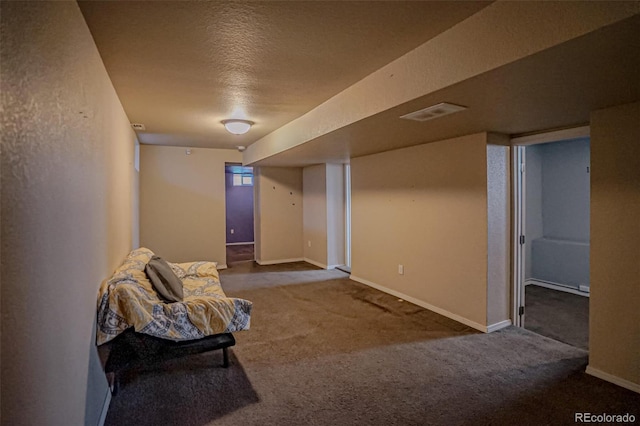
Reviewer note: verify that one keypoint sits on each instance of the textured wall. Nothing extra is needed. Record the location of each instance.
(498, 230)
(182, 202)
(314, 209)
(614, 317)
(278, 201)
(68, 203)
(425, 207)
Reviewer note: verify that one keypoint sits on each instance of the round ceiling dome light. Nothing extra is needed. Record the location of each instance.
(237, 126)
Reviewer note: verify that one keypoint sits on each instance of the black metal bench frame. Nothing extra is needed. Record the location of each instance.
(131, 351)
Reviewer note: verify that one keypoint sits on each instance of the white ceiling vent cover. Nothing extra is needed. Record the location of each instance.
(138, 126)
(434, 111)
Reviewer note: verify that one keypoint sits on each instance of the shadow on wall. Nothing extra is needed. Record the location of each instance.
(96, 383)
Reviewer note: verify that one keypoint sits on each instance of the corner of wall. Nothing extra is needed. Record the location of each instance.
(498, 231)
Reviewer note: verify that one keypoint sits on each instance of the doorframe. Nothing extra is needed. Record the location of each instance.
(253, 195)
(518, 220)
(518, 177)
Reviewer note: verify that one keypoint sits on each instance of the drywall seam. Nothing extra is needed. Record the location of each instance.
(422, 304)
(613, 379)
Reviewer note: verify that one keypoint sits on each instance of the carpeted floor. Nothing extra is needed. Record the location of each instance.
(324, 350)
(559, 315)
(239, 253)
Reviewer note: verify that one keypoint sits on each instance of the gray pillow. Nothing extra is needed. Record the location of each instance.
(166, 283)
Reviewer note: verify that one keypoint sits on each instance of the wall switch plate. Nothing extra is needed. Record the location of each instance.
(401, 269)
(309, 243)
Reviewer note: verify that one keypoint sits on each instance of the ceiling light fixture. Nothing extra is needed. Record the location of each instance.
(237, 126)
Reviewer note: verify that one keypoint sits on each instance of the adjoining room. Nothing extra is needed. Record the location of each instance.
(239, 213)
(554, 204)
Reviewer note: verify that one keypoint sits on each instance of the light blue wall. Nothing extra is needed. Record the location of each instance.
(565, 190)
(557, 209)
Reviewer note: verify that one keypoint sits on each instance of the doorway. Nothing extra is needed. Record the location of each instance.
(346, 173)
(552, 203)
(347, 216)
(239, 213)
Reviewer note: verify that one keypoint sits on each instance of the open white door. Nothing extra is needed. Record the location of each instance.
(518, 235)
(347, 216)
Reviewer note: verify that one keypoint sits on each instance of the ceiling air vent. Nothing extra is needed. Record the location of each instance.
(138, 126)
(434, 111)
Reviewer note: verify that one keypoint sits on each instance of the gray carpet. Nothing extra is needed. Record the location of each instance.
(559, 315)
(324, 350)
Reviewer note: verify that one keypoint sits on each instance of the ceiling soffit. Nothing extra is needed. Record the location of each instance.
(556, 88)
(498, 35)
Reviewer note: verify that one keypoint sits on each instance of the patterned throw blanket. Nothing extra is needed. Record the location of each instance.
(129, 300)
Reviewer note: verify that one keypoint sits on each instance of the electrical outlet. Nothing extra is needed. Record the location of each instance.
(309, 243)
(232, 230)
(401, 269)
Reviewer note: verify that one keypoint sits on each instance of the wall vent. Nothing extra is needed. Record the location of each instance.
(434, 111)
(138, 126)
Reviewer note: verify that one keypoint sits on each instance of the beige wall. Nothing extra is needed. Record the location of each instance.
(425, 207)
(323, 218)
(182, 202)
(315, 214)
(614, 323)
(278, 207)
(68, 202)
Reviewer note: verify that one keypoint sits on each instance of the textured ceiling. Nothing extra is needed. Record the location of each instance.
(182, 67)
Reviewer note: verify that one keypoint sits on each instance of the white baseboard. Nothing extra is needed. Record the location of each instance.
(277, 261)
(105, 408)
(430, 307)
(556, 286)
(223, 266)
(318, 264)
(613, 379)
(498, 326)
(241, 244)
